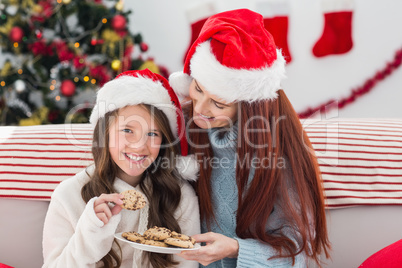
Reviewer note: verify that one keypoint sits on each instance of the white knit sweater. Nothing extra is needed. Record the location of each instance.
(74, 237)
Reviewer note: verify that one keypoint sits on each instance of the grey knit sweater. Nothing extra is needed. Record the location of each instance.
(252, 253)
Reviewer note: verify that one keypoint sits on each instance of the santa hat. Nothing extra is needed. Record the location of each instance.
(234, 58)
(146, 87)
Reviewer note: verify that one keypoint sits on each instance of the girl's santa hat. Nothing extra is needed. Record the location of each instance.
(234, 58)
(146, 87)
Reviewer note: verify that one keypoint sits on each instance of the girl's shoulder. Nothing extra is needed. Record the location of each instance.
(187, 190)
(74, 183)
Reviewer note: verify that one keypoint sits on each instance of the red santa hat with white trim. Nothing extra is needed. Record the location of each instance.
(234, 58)
(145, 87)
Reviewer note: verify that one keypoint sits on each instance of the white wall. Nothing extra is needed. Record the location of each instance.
(311, 81)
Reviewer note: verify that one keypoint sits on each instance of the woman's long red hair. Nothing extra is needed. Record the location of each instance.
(284, 138)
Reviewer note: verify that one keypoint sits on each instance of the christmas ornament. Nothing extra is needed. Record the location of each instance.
(150, 64)
(37, 9)
(119, 6)
(16, 34)
(119, 22)
(197, 17)
(116, 65)
(66, 2)
(38, 34)
(337, 35)
(276, 21)
(19, 86)
(144, 47)
(67, 88)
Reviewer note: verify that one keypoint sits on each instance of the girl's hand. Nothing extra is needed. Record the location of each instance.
(102, 209)
(217, 247)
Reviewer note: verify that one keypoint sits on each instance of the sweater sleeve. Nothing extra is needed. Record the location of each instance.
(188, 217)
(253, 253)
(82, 245)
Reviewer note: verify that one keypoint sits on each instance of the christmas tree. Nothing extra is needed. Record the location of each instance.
(56, 54)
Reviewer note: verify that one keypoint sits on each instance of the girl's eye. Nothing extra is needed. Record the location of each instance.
(126, 130)
(153, 134)
(198, 89)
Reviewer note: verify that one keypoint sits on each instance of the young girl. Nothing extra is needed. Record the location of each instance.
(137, 142)
(261, 198)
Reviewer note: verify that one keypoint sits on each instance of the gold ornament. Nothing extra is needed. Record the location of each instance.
(7, 69)
(110, 36)
(11, 21)
(149, 64)
(37, 9)
(116, 65)
(39, 117)
(66, 2)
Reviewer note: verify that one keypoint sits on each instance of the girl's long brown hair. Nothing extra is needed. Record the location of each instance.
(284, 139)
(164, 189)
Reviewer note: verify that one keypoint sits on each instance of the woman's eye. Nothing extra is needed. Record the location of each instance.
(218, 105)
(198, 89)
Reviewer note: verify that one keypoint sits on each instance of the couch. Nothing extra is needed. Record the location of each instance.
(360, 160)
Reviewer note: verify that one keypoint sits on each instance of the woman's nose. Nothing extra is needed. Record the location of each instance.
(200, 106)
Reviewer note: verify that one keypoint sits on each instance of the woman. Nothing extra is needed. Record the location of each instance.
(260, 192)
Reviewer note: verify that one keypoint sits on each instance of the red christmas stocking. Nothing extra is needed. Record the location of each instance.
(337, 35)
(197, 17)
(276, 14)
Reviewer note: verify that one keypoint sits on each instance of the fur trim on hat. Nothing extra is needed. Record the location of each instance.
(188, 167)
(127, 90)
(180, 82)
(233, 85)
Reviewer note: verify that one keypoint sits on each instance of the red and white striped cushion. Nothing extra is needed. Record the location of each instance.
(360, 159)
(35, 159)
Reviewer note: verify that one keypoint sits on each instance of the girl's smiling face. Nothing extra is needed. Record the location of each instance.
(134, 142)
(208, 110)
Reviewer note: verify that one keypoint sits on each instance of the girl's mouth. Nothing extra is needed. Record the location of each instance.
(135, 158)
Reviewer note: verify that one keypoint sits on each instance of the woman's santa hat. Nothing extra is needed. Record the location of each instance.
(234, 58)
(146, 87)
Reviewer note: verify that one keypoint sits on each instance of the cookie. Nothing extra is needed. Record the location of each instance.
(178, 242)
(183, 237)
(133, 200)
(133, 236)
(155, 243)
(157, 233)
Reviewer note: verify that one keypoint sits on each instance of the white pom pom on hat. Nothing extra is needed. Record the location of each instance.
(234, 58)
(145, 87)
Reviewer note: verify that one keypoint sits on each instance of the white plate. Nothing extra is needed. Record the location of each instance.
(155, 248)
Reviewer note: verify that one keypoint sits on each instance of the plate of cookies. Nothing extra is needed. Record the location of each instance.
(159, 240)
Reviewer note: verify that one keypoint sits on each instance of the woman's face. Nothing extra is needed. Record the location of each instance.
(208, 110)
(134, 142)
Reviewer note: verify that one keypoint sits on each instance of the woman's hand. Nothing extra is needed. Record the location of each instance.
(102, 208)
(217, 247)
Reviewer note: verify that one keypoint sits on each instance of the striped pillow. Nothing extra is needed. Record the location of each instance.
(35, 159)
(360, 159)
